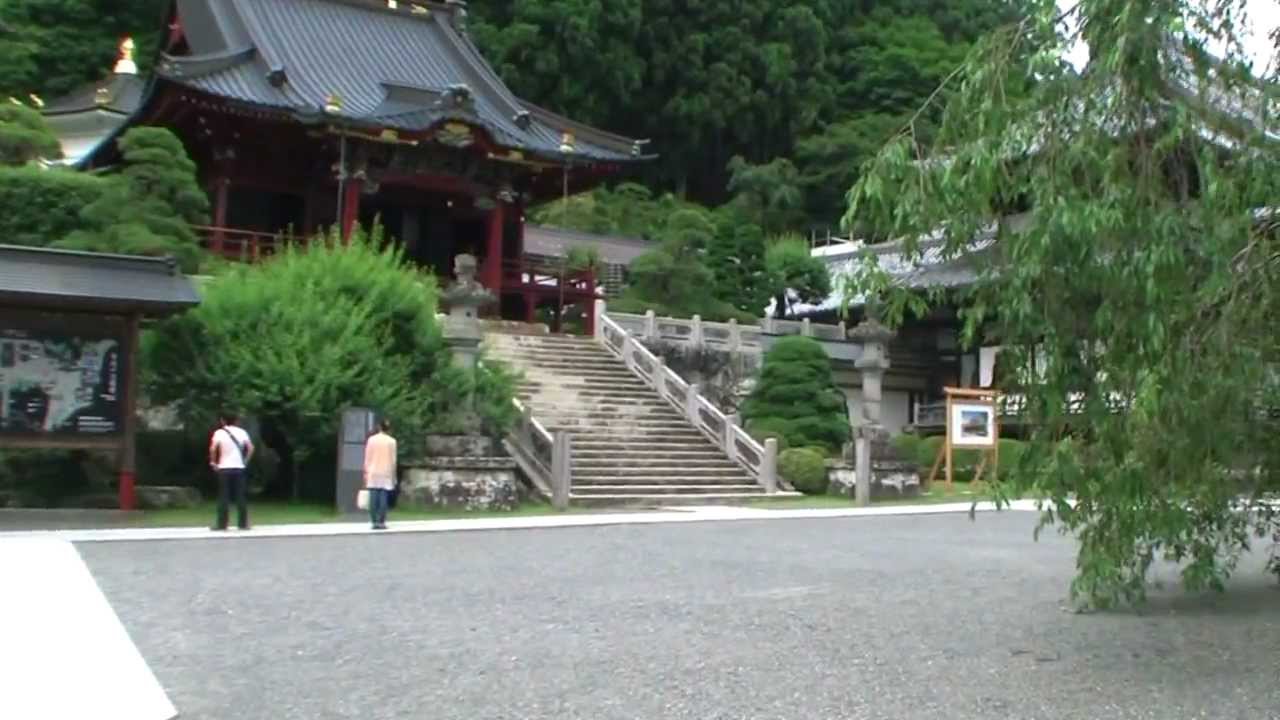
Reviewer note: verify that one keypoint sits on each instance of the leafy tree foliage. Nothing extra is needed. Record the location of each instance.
(148, 209)
(1144, 274)
(40, 206)
(721, 79)
(25, 137)
(53, 46)
(673, 279)
(796, 397)
(793, 274)
(294, 340)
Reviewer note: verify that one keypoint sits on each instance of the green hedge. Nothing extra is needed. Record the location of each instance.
(40, 207)
(805, 469)
(924, 451)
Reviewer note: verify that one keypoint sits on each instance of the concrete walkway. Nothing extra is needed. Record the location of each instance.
(685, 514)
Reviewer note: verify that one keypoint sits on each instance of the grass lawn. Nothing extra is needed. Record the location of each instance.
(937, 493)
(284, 513)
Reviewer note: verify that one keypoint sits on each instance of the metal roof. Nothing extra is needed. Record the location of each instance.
(555, 242)
(73, 280)
(928, 268)
(118, 93)
(408, 68)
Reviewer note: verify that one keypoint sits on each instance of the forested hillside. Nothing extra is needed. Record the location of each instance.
(802, 92)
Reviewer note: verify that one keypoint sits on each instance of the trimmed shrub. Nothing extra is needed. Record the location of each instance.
(294, 340)
(805, 469)
(797, 397)
(40, 207)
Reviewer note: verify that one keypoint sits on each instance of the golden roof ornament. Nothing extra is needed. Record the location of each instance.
(566, 143)
(333, 104)
(125, 65)
(102, 96)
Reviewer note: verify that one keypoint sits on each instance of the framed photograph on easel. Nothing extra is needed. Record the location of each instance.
(973, 423)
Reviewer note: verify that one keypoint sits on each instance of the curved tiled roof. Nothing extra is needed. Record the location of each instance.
(408, 68)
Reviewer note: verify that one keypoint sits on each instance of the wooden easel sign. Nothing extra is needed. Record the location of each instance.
(972, 424)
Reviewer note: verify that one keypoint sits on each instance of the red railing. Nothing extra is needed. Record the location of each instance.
(242, 245)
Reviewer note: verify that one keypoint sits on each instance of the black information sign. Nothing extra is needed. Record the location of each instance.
(60, 383)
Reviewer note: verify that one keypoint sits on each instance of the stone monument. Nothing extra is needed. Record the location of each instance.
(877, 469)
(463, 470)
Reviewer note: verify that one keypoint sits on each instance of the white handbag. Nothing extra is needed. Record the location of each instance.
(362, 498)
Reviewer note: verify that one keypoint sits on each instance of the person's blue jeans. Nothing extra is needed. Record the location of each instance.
(378, 498)
(232, 483)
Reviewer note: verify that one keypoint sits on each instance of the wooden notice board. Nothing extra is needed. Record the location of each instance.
(973, 423)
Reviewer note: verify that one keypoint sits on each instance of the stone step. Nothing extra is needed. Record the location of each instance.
(656, 443)
(634, 422)
(652, 500)
(675, 479)
(556, 406)
(641, 454)
(623, 471)
(589, 490)
(652, 465)
(620, 435)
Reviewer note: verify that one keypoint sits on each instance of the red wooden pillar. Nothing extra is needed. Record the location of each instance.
(221, 189)
(128, 421)
(351, 206)
(493, 253)
(530, 307)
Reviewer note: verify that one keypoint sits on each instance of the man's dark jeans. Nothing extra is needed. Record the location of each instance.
(378, 499)
(233, 482)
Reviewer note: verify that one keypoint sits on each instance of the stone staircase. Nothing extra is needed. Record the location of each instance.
(629, 446)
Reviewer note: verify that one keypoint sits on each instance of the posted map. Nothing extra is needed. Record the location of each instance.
(58, 384)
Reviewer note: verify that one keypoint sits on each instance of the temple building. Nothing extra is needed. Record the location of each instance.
(306, 114)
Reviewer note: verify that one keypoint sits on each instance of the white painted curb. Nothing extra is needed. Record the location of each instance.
(64, 655)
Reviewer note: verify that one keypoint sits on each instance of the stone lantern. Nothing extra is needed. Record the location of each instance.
(877, 468)
(464, 299)
(463, 469)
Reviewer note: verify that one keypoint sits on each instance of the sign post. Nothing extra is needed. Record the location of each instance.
(972, 424)
(357, 425)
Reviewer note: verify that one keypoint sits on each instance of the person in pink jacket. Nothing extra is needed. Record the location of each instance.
(380, 472)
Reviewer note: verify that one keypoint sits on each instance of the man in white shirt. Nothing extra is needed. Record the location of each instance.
(229, 452)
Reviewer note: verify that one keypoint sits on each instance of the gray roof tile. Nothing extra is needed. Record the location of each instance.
(64, 278)
(371, 57)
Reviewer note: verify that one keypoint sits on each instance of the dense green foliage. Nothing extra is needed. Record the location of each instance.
(25, 136)
(149, 207)
(797, 398)
(789, 266)
(39, 206)
(720, 79)
(923, 451)
(294, 340)
(1145, 273)
(805, 469)
(53, 46)
(673, 278)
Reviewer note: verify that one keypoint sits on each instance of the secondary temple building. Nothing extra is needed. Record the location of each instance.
(306, 114)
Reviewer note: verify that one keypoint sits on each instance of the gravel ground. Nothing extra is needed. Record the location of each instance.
(895, 617)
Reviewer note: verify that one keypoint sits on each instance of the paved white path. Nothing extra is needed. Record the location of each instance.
(55, 623)
(63, 652)
(710, 513)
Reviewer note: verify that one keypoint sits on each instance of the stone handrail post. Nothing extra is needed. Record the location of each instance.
(769, 475)
(732, 421)
(735, 335)
(660, 376)
(806, 327)
(691, 404)
(695, 334)
(650, 325)
(561, 463)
